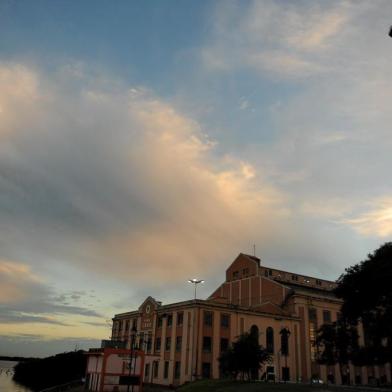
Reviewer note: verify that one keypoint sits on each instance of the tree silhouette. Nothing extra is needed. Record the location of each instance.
(244, 357)
(366, 291)
(337, 344)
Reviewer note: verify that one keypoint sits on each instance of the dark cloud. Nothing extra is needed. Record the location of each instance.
(9, 316)
(97, 324)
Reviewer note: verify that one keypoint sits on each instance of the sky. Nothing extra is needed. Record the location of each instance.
(144, 143)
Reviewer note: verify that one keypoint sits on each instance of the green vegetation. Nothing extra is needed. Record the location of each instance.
(244, 357)
(38, 374)
(235, 386)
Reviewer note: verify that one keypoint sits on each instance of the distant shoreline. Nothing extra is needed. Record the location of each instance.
(15, 359)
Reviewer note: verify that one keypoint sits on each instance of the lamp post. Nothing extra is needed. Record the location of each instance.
(284, 349)
(133, 338)
(195, 282)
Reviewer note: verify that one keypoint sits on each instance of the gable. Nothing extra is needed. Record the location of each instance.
(147, 310)
(242, 267)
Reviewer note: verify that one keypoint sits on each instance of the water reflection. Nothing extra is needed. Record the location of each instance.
(6, 382)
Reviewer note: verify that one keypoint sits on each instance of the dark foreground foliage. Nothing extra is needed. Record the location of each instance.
(38, 374)
(366, 291)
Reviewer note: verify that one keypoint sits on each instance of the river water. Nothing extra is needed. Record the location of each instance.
(6, 383)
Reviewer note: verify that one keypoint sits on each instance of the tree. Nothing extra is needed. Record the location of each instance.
(337, 344)
(38, 374)
(244, 357)
(366, 291)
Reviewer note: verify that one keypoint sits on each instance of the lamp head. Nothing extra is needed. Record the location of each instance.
(195, 281)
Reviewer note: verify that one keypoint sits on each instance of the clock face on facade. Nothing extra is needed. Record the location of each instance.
(148, 308)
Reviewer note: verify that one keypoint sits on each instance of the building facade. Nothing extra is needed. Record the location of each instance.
(183, 341)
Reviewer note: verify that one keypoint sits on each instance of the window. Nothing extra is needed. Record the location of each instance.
(225, 320)
(141, 341)
(319, 282)
(235, 274)
(286, 373)
(294, 277)
(326, 316)
(178, 343)
(284, 341)
(207, 344)
(120, 325)
(155, 369)
(134, 324)
(270, 340)
(180, 318)
(147, 371)
(166, 370)
(270, 373)
(149, 343)
(177, 369)
(268, 272)
(168, 344)
(206, 370)
(158, 345)
(159, 322)
(169, 320)
(254, 331)
(208, 318)
(313, 314)
(242, 325)
(224, 344)
(127, 326)
(245, 271)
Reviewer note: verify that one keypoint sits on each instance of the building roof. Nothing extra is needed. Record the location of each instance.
(211, 304)
(301, 289)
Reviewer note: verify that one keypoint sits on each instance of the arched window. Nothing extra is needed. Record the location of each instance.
(254, 331)
(270, 340)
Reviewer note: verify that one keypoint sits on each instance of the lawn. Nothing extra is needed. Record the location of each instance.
(233, 386)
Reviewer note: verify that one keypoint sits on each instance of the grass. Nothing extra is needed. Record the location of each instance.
(233, 386)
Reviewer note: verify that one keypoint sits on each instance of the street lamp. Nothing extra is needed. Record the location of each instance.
(195, 282)
(194, 349)
(133, 341)
(284, 348)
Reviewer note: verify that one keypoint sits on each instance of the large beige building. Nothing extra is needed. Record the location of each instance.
(183, 340)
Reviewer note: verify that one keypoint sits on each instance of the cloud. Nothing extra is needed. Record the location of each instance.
(9, 316)
(377, 221)
(331, 141)
(294, 40)
(25, 298)
(281, 63)
(119, 182)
